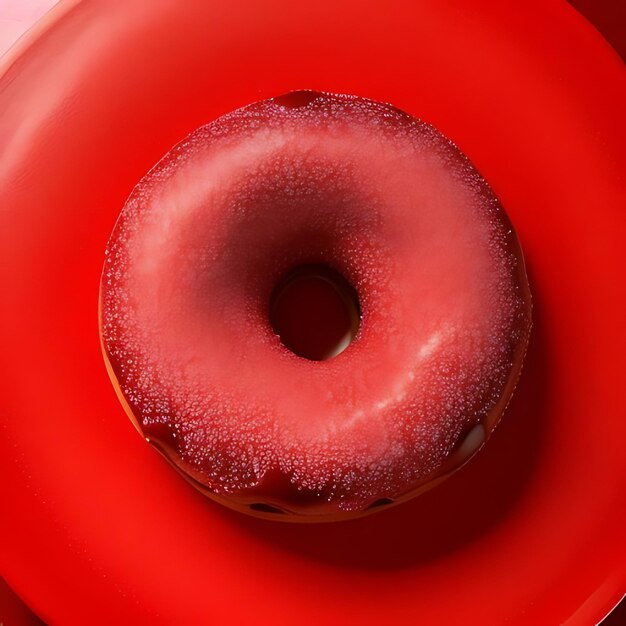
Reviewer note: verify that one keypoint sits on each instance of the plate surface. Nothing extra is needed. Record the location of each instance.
(97, 528)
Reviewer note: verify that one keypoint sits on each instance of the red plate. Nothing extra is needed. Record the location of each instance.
(97, 528)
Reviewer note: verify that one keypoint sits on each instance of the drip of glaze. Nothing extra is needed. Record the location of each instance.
(377, 504)
(263, 507)
(297, 99)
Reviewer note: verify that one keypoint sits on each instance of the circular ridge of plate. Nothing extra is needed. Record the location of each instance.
(98, 528)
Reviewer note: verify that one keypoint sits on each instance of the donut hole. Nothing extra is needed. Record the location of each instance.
(262, 507)
(315, 312)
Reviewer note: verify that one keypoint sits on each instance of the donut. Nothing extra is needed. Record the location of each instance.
(326, 192)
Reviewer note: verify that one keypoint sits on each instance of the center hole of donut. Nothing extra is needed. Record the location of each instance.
(315, 312)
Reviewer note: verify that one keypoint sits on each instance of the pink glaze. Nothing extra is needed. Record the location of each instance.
(394, 207)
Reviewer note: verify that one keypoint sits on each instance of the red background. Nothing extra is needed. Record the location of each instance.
(609, 18)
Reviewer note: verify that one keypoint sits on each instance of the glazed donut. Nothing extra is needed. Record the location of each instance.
(373, 197)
